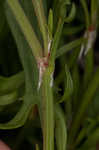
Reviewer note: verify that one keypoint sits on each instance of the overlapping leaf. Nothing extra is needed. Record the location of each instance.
(30, 72)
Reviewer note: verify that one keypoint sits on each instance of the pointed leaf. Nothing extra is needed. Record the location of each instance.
(69, 86)
(39, 10)
(21, 116)
(61, 51)
(72, 14)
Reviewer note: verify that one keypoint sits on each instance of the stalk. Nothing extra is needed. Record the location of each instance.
(47, 111)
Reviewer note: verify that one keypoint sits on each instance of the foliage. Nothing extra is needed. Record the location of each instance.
(49, 80)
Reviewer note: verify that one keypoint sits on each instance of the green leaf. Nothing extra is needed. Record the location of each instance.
(61, 51)
(74, 57)
(60, 129)
(86, 100)
(39, 10)
(94, 9)
(30, 73)
(58, 30)
(25, 27)
(63, 6)
(21, 116)
(72, 14)
(25, 53)
(72, 30)
(89, 67)
(76, 85)
(50, 22)
(8, 98)
(56, 40)
(92, 140)
(10, 84)
(69, 86)
(87, 16)
(3, 25)
(93, 109)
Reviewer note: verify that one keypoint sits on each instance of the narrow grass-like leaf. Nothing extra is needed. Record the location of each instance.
(39, 10)
(81, 136)
(89, 67)
(58, 32)
(56, 40)
(84, 132)
(59, 78)
(25, 53)
(87, 17)
(30, 73)
(74, 57)
(68, 47)
(37, 147)
(50, 22)
(8, 98)
(63, 4)
(76, 85)
(60, 129)
(72, 30)
(25, 27)
(94, 7)
(92, 140)
(21, 117)
(87, 98)
(3, 25)
(72, 14)
(10, 84)
(69, 86)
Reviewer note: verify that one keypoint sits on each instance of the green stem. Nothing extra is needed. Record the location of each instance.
(48, 111)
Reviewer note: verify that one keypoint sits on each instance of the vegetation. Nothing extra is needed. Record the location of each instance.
(49, 74)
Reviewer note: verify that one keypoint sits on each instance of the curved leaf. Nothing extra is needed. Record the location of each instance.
(72, 14)
(69, 86)
(10, 84)
(61, 51)
(30, 70)
(8, 98)
(21, 117)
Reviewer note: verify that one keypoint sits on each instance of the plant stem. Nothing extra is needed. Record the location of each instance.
(47, 111)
